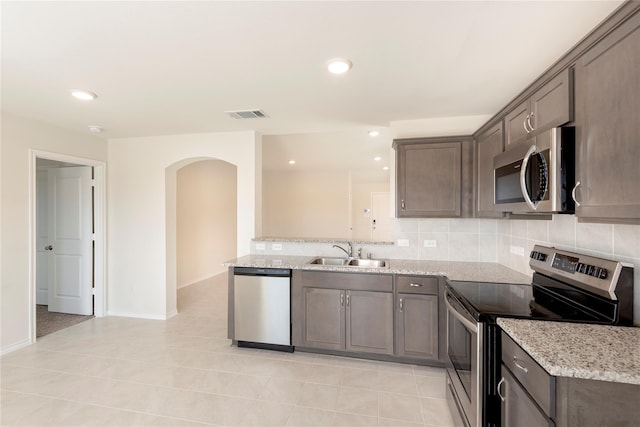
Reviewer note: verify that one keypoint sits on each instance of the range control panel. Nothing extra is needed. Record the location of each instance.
(597, 274)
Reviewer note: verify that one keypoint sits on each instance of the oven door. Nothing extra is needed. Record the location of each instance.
(464, 350)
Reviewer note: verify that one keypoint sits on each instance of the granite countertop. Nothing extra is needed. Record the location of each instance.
(454, 270)
(577, 350)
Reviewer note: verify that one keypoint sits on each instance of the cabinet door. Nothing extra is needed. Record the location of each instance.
(370, 322)
(608, 126)
(429, 180)
(552, 104)
(548, 107)
(518, 409)
(515, 123)
(324, 318)
(488, 145)
(417, 326)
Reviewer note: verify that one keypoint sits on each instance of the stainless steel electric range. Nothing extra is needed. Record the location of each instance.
(566, 287)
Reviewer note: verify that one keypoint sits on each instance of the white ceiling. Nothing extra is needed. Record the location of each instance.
(175, 67)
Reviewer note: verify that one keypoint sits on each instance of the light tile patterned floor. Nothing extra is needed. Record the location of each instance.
(132, 372)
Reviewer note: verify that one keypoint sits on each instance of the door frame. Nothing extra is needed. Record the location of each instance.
(100, 238)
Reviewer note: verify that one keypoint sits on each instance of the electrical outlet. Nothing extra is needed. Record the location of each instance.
(518, 250)
(276, 247)
(260, 246)
(430, 244)
(277, 262)
(403, 242)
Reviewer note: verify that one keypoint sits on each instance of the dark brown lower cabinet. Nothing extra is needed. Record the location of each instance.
(366, 314)
(417, 326)
(349, 312)
(531, 397)
(518, 408)
(369, 322)
(338, 319)
(324, 318)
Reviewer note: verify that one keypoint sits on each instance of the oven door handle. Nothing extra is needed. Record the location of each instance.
(466, 322)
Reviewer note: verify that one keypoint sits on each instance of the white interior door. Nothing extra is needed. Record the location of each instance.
(42, 238)
(380, 216)
(70, 256)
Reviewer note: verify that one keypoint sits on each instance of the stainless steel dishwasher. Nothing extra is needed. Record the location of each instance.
(262, 308)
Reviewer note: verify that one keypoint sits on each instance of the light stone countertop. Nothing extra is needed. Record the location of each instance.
(454, 270)
(577, 350)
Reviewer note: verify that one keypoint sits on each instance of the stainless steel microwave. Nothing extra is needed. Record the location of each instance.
(537, 175)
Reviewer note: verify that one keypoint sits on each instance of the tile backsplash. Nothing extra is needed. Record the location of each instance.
(507, 242)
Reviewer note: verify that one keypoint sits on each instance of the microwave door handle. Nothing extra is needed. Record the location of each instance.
(523, 174)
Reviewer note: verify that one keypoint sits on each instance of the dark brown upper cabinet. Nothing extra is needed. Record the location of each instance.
(433, 177)
(608, 126)
(548, 107)
(489, 144)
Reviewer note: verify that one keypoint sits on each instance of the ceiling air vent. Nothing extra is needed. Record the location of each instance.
(247, 114)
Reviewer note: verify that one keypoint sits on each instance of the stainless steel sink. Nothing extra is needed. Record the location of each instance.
(378, 263)
(329, 261)
(350, 262)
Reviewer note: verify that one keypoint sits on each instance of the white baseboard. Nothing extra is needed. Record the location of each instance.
(15, 346)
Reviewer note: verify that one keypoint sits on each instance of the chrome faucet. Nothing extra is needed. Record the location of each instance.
(348, 252)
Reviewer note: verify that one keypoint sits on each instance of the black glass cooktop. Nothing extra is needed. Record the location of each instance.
(493, 299)
(488, 301)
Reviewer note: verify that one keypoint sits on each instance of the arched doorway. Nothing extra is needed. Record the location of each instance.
(201, 221)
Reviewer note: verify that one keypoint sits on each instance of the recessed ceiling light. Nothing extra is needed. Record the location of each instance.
(339, 65)
(292, 162)
(95, 129)
(386, 168)
(377, 158)
(84, 95)
(374, 133)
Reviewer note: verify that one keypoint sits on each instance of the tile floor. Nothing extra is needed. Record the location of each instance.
(123, 372)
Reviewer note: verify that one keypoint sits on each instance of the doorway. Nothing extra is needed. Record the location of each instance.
(201, 222)
(380, 216)
(67, 248)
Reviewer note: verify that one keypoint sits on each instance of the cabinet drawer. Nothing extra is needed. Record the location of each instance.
(417, 285)
(354, 281)
(540, 385)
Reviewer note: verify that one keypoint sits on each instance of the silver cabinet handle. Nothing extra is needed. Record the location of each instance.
(348, 300)
(416, 285)
(402, 204)
(524, 123)
(48, 248)
(341, 300)
(529, 118)
(519, 366)
(401, 304)
(498, 389)
(573, 193)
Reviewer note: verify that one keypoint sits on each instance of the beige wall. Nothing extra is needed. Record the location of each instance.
(19, 137)
(142, 185)
(305, 204)
(206, 219)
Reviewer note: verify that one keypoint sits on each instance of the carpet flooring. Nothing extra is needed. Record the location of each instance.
(48, 322)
